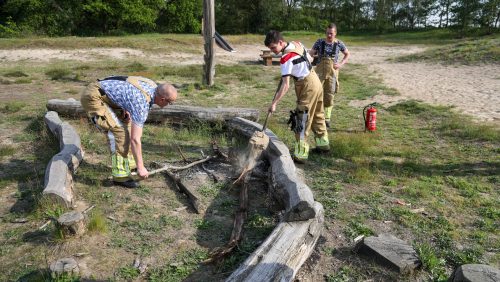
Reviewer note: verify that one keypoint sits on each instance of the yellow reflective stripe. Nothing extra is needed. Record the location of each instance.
(328, 113)
(301, 150)
(120, 167)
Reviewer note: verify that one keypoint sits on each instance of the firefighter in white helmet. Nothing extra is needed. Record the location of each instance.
(327, 51)
(119, 106)
(295, 63)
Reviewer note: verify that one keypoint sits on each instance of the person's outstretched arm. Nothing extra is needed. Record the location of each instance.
(135, 141)
(285, 84)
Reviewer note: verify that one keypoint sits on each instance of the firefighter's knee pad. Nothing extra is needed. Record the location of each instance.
(301, 151)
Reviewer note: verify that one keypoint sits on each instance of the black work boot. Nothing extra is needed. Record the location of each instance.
(127, 184)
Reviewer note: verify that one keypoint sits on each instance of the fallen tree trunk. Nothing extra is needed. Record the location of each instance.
(58, 184)
(172, 113)
(281, 255)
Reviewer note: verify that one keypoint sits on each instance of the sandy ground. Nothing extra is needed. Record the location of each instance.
(474, 90)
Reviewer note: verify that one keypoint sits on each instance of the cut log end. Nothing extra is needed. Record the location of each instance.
(302, 211)
(72, 223)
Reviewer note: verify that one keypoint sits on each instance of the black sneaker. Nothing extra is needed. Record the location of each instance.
(128, 184)
(298, 161)
(320, 150)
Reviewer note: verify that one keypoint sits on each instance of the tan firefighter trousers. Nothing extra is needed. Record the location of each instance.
(310, 98)
(329, 78)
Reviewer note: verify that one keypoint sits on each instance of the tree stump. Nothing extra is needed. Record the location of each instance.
(72, 223)
(64, 266)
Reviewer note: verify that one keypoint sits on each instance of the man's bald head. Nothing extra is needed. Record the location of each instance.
(166, 94)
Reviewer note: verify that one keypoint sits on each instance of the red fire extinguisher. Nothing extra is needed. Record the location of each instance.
(370, 117)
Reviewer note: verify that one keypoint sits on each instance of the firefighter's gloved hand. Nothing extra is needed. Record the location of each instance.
(292, 121)
(298, 121)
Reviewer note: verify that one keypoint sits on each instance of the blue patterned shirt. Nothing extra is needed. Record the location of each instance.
(129, 98)
(329, 48)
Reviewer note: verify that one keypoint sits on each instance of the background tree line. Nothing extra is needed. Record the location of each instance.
(108, 17)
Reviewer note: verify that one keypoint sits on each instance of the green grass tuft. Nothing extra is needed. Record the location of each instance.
(7, 150)
(13, 107)
(17, 73)
(469, 52)
(431, 262)
(97, 222)
(459, 127)
(349, 145)
(62, 74)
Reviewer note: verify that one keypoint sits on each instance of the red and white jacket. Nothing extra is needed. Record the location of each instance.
(295, 61)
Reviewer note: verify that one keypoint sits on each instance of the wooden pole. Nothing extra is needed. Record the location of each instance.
(209, 35)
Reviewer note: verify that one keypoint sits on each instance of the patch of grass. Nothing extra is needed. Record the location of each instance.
(62, 74)
(179, 267)
(13, 107)
(356, 228)
(97, 222)
(344, 274)
(211, 190)
(22, 80)
(458, 127)
(349, 145)
(6, 151)
(433, 264)
(5, 81)
(468, 187)
(72, 91)
(465, 256)
(136, 67)
(412, 107)
(128, 272)
(260, 223)
(16, 73)
(467, 51)
(182, 71)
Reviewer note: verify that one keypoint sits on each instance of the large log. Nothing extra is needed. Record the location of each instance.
(172, 113)
(58, 184)
(295, 195)
(282, 254)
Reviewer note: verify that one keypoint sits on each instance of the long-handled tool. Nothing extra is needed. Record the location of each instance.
(256, 145)
(268, 112)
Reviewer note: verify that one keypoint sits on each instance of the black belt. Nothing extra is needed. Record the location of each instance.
(102, 92)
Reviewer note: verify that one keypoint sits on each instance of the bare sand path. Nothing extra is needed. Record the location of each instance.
(474, 90)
